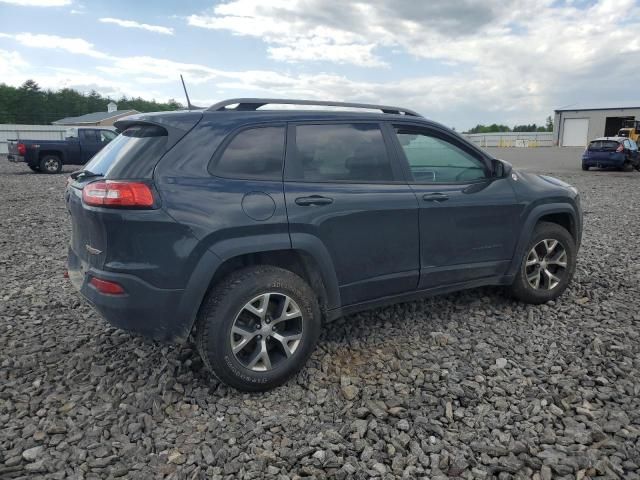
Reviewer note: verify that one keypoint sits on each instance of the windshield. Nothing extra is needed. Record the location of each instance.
(138, 144)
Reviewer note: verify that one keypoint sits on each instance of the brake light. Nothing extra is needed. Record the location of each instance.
(106, 286)
(22, 149)
(620, 148)
(114, 193)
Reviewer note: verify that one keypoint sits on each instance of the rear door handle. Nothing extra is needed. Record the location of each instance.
(313, 200)
(435, 197)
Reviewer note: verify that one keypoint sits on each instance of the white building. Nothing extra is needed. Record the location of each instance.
(575, 127)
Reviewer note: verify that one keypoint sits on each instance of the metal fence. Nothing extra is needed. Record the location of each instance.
(29, 132)
(511, 139)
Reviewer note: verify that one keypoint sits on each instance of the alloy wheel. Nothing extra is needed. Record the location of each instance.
(51, 164)
(546, 264)
(267, 331)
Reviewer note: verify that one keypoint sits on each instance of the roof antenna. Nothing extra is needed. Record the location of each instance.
(189, 105)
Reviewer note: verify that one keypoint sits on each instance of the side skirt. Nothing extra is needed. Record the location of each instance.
(501, 280)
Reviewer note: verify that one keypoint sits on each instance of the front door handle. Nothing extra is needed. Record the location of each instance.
(313, 200)
(435, 197)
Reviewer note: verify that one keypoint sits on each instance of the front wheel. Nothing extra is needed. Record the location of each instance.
(548, 265)
(258, 327)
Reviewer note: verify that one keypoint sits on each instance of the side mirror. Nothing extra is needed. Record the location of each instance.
(501, 169)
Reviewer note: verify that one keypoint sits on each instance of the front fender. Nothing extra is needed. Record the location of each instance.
(530, 222)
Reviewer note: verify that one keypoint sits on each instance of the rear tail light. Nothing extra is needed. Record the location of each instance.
(114, 193)
(106, 286)
(620, 148)
(22, 149)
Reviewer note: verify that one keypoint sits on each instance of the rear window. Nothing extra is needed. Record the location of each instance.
(136, 150)
(605, 145)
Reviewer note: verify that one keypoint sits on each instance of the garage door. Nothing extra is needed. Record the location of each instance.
(574, 132)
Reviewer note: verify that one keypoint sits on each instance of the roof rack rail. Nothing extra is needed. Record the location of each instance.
(250, 104)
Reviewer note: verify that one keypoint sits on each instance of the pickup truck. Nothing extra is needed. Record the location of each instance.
(49, 156)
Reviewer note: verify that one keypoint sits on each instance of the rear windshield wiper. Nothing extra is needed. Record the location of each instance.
(81, 174)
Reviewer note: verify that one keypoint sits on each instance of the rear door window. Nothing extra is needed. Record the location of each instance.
(353, 153)
(140, 145)
(253, 153)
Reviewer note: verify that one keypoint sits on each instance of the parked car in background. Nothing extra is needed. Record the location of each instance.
(611, 152)
(48, 156)
(194, 219)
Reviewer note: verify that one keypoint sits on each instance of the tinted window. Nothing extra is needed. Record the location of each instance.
(253, 153)
(434, 160)
(139, 144)
(88, 136)
(344, 153)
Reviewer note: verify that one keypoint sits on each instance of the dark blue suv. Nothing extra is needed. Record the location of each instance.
(251, 228)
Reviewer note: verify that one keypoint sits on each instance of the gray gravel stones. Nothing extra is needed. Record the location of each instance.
(471, 385)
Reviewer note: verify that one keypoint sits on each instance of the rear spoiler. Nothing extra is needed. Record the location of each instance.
(177, 124)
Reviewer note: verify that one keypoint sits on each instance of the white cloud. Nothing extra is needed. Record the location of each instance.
(38, 3)
(134, 24)
(71, 45)
(291, 38)
(518, 57)
(12, 65)
(509, 63)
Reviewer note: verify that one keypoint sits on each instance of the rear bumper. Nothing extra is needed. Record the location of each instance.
(143, 309)
(604, 162)
(15, 158)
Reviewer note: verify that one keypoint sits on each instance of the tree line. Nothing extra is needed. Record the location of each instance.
(29, 104)
(494, 128)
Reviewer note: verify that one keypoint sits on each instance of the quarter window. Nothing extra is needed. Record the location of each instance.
(434, 160)
(340, 153)
(255, 153)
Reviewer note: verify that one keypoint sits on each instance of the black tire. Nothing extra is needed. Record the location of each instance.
(34, 168)
(627, 166)
(585, 168)
(522, 289)
(50, 164)
(227, 303)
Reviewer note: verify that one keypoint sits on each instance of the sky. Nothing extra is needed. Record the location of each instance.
(459, 62)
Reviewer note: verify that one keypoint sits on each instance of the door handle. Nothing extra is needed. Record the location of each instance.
(313, 200)
(435, 197)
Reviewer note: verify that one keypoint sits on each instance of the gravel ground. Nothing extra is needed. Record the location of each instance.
(470, 385)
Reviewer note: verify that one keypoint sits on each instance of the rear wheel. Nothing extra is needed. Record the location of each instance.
(50, 164)
(258, 327)
(548, 265)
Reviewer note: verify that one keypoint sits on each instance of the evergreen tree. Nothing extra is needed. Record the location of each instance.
(29, 104)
